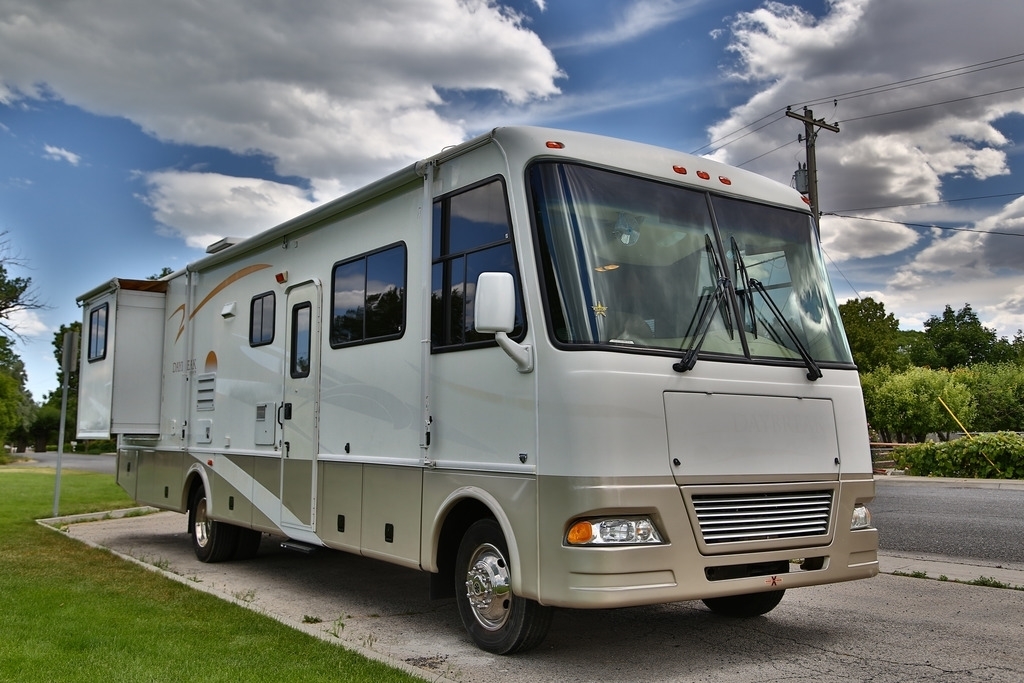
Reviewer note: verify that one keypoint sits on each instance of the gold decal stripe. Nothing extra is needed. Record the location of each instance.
(225, 283)
(228, 281)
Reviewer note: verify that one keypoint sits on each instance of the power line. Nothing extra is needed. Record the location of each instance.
(926, 225)
(934, 104)
(918, 80)
(785, 144)
(777, 118)
(839, 270)
(875, 90)
(943, 201)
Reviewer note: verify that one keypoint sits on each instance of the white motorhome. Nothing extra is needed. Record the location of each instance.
(551, 369)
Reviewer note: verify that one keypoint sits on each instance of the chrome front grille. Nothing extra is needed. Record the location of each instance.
(762, 516)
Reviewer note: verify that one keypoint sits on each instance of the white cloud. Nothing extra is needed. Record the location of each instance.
(27, 323)
(339, 91)
(991, 249)
(61, 154)
(638, 18)
(201, 208)
(858, 238)
(882, 159)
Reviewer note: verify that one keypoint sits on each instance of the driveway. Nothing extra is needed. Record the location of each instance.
(889, 628)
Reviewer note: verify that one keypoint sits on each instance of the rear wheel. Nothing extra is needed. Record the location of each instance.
(212, 541)
(496, 619)
(745, 606)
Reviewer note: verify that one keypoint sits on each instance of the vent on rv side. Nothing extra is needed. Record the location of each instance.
(206, 386)
(221, 245)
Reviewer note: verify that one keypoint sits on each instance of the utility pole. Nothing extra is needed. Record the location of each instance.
(810, 133)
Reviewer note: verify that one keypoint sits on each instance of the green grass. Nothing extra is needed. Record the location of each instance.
(70, 613)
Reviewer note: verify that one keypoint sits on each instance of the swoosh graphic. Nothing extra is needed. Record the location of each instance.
(224, 284)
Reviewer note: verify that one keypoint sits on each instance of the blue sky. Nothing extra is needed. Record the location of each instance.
(132, 136)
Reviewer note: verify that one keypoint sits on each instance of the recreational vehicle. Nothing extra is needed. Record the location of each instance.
(550, 369)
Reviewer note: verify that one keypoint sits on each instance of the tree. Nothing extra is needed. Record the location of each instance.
(999, 391)
(52, 401)
(19, 400)
(45, 428)
(11, 401)
(874, 335)
(1007, 351)
(54, 397)
(905, 406)
(958, 338)
(16, 293)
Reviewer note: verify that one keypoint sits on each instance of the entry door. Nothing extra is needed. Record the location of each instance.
(300, 410)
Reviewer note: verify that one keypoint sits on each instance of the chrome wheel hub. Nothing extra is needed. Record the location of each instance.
(488, 587)
(201, 525)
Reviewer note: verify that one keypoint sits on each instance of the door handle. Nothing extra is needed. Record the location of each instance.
(287, 411)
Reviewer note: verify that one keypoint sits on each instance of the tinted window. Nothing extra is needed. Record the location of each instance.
(302, 319)
(261, 320)
(98, 332)
(472, 235)
(368, 295)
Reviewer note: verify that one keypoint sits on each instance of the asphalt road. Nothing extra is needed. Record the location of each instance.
(885, 629)
(962, 522)
(106, 463)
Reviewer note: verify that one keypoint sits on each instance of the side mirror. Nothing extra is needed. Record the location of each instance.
(494, 307)
(494, 311)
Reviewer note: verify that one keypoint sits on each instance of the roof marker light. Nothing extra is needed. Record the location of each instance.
(681, 170)
(554, 144)
(703, 175)
(725, 181)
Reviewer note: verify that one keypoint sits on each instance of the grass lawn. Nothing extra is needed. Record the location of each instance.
(69, 612)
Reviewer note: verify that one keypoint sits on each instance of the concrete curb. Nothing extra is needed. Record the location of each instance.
(950, 482)
(936, 567)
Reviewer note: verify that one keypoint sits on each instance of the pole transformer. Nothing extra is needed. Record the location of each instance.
(810, 134)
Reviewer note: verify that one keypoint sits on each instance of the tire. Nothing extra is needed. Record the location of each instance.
(745, 606)
(496, 620)
(212, 541)
(248, 544)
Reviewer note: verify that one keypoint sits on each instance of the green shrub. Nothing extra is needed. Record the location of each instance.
(986, 456)
(906, 406)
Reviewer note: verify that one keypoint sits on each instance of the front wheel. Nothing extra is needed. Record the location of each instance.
(497, 620)
(745, 606)
(212, 541)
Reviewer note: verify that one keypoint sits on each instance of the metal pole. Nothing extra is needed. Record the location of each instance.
(810, 133)
(68, 358)
(812, 163)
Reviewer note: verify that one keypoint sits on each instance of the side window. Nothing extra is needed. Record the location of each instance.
(302, 320)
(261, 319)
(472, 234)
(98, 332)
(368, 297)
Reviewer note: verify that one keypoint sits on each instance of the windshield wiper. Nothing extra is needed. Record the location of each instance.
(707, 313)
(813, 371)
(747, 296)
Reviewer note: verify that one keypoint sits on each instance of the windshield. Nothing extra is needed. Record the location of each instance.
(633, 263)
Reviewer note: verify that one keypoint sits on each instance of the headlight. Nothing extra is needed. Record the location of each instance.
(613, 531)
(861, 517)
